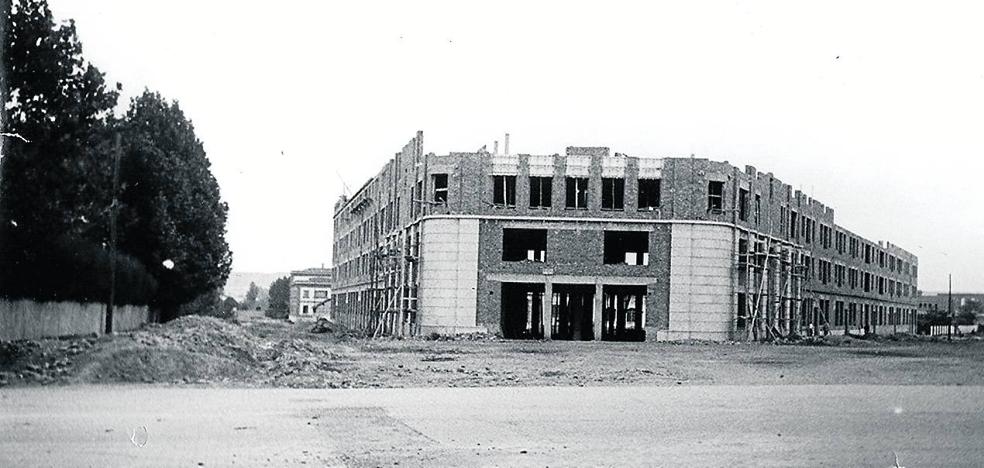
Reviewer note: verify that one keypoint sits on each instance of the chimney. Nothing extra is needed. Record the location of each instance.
(507, 144)
(495, 146)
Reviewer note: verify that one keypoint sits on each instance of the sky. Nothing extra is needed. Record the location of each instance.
(874, 108)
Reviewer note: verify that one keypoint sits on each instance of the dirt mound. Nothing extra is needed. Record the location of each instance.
(189, 349)
(203, 335)
(136, 364)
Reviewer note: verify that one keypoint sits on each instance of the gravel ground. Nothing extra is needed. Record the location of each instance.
(267, 353)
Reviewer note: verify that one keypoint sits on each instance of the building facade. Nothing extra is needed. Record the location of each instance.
(310, 292)
(591, 245)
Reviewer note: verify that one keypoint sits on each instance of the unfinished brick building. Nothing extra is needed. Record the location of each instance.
(590, 245)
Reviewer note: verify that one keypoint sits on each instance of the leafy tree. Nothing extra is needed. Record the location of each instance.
(229, 305)
(967, 314)
(251, 295)
(208, 303)
(55, 182)
(279, 298)
(173, 218)
(56, 191)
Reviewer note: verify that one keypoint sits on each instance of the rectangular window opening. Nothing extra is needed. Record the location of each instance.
(715, 196)
(577, 193)
(504, 190)
(541, 192)
(440, 183)
(649, 194)
(758, 209)
(612, 194)
(524, 245)
(626, 248)
(743, 204)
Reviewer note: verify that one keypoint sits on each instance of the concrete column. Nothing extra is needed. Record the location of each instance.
(596, 310)
(547, 309)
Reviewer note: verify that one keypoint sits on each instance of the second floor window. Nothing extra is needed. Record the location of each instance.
(541, 191)
(715, 196)
(440, 182)
(577, 193)
(504, 190)
(612, 194)
(648, 194)
(743, 204)
(758, 209)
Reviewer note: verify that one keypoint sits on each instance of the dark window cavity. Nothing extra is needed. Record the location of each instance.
(648, 194)
(541, 191)
(440, 183)
(626, 248)
(524, 244)
(505, 190)
(577, 193)
(612, 194)
(758, 208)
(715, 196)
(743, 204)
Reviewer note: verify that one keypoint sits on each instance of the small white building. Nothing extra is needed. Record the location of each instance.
(310, 292)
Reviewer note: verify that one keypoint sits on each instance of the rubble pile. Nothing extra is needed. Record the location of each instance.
(321, 326)
(204, 335)
(40, 361)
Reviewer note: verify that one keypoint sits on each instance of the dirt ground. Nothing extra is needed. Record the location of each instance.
(267, 353)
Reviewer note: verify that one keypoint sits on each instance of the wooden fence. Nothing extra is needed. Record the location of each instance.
(26, 319)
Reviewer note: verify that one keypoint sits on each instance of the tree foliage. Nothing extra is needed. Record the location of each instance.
(229, 305)
(251, 295)
(967, 314)
(56, 188)
(279, 298)
(172, 209)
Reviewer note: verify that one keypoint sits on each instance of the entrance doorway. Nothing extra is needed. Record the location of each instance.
(522, 311)
(623, 313)
(573, 306)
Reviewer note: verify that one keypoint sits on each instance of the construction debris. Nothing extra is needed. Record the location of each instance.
(323, 325)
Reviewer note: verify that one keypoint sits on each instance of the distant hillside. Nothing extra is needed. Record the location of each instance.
(239, 281)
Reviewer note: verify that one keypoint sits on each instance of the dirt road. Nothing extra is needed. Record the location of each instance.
(265, 353)
(786, 425)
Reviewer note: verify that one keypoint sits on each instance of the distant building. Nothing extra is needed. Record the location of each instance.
(593, 245)
(936, 302)
(310, 292)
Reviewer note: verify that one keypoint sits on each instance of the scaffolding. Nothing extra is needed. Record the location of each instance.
(770, 277)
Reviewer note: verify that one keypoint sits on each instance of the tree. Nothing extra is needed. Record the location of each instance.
(172, 218)
(229, 305)
(251, 296)
(279, 298)
(967, 314)
(54, 183)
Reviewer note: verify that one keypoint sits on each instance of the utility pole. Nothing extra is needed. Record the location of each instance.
(117, 154)
(949, 307)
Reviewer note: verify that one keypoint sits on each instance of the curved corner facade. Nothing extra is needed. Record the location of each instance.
(591, 245)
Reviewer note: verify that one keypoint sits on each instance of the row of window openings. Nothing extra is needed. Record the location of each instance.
(845, 314)
(879, 315)
(828, 272)
(361, 264)
(854, 247)
(576, 192)
(318, 294)
(382, 220)
(613, 198)
(620, 247)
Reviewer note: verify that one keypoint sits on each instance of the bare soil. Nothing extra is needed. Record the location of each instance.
(268, 353)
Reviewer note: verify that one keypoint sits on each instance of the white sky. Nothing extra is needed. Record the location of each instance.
(289, 97)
